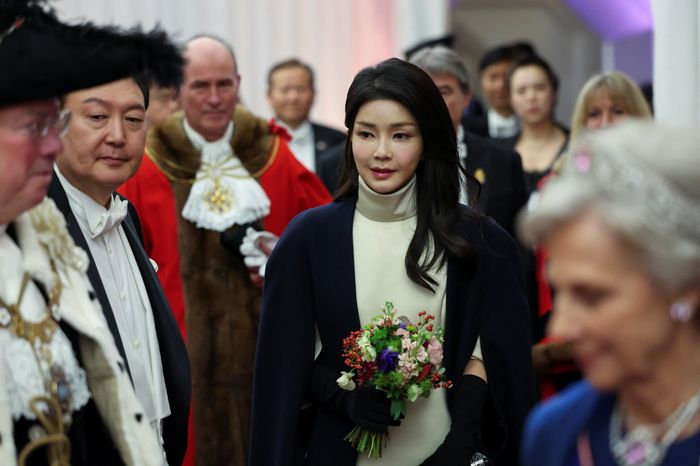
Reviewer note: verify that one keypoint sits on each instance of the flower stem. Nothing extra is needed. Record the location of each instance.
(365, 441)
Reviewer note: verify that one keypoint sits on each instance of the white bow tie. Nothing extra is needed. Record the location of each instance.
(110, 218)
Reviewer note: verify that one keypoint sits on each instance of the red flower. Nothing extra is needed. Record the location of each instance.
(424, 372)
(365, 372)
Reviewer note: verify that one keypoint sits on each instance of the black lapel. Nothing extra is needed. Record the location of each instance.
(159, 304)
(337, 278)
(458, 280)
(317, 138)
(475, 154)
(172, 347)
(57, 193)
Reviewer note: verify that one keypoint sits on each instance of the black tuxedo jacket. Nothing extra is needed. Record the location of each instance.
(176, 367)
(326, 140)
(500, 171)
(325, 137)
(478, 125)
(329, 164)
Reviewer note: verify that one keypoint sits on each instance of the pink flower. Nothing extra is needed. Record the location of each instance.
(422, 356)
(408, 344)
(407, 365)
(435, 351)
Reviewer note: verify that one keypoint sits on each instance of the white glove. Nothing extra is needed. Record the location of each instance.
(256, 247)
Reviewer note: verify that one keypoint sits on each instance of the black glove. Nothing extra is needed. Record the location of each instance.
(232, 238)
(366, 407)
(464, 438)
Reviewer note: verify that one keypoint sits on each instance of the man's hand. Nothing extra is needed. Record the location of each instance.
(256, 248)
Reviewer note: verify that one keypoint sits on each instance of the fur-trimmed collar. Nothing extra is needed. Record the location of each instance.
(253, 143)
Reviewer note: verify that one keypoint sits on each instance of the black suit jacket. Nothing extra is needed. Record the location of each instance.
(325, 141)
(176, 367)
(329, 165)
(325, 137)
(500, 171)
(310, 284)
(478, 125)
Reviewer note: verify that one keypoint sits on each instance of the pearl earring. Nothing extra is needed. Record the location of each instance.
(681, 311)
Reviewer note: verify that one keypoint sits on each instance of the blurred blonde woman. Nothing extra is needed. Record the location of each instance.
(606, 99)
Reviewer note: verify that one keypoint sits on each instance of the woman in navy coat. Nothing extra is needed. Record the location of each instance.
(395, 232)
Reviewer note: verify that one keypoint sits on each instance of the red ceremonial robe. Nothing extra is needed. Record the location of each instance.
(158, 191)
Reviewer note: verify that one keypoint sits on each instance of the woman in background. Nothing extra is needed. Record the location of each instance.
(533, 89)
(395, 232)
(606, 99)
(621, 226)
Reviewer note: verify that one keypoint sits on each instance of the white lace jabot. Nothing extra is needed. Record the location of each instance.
(23, 372)
(223, 193)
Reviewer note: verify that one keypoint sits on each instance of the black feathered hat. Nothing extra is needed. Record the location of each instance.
(41, 57)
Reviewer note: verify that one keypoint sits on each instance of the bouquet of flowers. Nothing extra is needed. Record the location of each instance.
(396, 356)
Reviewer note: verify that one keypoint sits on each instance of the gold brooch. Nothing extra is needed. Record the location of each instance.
(218, 199)
(480, 175)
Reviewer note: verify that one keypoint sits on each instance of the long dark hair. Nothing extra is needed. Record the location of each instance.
(437, 175)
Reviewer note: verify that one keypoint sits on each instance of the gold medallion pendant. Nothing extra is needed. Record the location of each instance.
(218, 199)
(52, 410)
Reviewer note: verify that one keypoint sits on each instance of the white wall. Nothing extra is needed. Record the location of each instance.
(633, 56)
(565, 42)
(337, 37)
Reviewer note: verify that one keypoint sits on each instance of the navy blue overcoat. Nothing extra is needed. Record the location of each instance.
(310, 283)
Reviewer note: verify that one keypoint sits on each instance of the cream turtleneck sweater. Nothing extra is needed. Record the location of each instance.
(382, 230)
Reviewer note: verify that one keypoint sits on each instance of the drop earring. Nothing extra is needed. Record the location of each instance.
(681, 311)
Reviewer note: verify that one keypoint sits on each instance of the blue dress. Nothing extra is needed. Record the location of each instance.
(553, 427)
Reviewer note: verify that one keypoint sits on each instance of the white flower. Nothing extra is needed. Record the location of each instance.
(345, 381)
(421, 355)
(407, 365)
(407, 344)
(369, 354)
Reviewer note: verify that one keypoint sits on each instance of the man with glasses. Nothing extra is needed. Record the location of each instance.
(65, 395)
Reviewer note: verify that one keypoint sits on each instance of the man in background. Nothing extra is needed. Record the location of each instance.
(229, 172)
(498, 170)
(499, 121)
(291, 94)
(163, 103)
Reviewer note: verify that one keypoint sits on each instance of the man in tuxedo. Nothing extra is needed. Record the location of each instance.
(102, 149)
(499, 121)
(291, 94)
(498, 170)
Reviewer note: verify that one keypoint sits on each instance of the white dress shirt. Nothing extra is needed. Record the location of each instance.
(128, 299)
(501, 127)
(302, 143)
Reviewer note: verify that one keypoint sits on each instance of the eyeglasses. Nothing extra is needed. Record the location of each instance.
(40, 128)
